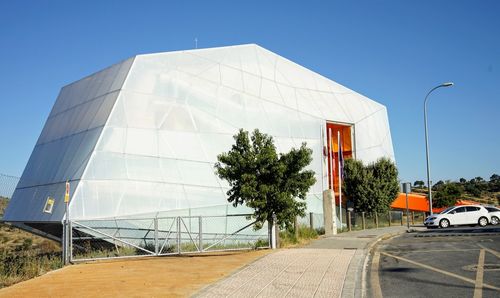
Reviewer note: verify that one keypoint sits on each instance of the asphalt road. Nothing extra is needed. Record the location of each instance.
(455, 262)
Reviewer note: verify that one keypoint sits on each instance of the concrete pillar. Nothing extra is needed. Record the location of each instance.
(329, 213)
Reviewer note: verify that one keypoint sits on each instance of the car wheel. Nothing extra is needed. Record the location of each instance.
(483, 221)
(444, 223)
(494, 220)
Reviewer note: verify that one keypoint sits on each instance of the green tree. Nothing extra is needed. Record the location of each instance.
(356, 185)
(447, 195)
(494, 183)
(438, 185)
(418, 184)
(385, 183)
(264, 180)
(494, 177)
(371, 188)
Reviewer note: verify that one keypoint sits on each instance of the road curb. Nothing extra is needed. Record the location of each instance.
(354, 282)
(367, 253)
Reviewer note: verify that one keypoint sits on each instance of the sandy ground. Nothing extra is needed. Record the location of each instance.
(152, 277)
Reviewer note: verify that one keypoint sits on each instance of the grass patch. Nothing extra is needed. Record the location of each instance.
(26, 261)
(24, 255)
(305, 234)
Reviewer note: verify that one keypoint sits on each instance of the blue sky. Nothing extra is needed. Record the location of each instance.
(390, 51)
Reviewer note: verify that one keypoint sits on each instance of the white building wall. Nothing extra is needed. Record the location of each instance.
(171, 118)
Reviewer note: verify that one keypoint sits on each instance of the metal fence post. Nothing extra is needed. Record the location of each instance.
(413, 218)
(296, 227)
(363, 220)
(156, 235)
(311, 220)
(376, 220)
(179, 235)
(349, 220)
(70, 240)
(63, 242)
(401, 218)
(390, 219)
(200, 234)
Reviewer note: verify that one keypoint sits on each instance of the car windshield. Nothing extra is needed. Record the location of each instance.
(446, 210)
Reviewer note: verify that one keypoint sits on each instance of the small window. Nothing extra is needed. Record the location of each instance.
(49, 205)
(492, 209)
(472, 208)
(460, 210)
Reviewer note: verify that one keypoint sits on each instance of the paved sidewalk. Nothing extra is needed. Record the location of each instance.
(328, 267)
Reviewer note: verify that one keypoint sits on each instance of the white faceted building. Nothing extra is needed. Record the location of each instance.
(142, 136)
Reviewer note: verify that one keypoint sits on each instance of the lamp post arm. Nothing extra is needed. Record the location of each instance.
(429, 190)
(429, 186)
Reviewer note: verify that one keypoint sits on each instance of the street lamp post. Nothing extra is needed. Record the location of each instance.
(448, 84)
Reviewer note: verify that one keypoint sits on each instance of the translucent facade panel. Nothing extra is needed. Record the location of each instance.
(107, 166)
(249, 60)
(285, 144)
(211, 74)
(179, 118)
(269, 91)
(121, 74)
(113, 139)
(252, 84)
(191, 63)
(183, 145)
(142, 110)
(373, 138)
(204, 196)
(231, 107)
(197, 173)
(306, 105)
(288, 94)
(278, 121)
(102, 114)
(207, 123)
(143, 168)
(267, 63)
(90, 87)
(143, 75)
(141, 142)
(141, 137)
(170, 172)
(215, 144)
(254, 115)
(102, 199)
(231, 77)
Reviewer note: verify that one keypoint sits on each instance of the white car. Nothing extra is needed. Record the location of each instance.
(459, 215)
(494, 214)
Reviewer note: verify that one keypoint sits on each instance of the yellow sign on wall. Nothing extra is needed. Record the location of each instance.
(49, 205)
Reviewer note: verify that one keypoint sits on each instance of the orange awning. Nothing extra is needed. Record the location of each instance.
(419, 202)
(416, 202)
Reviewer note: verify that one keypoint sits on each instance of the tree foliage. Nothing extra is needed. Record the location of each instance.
(438, 185)
(494, 183)
(264, 180)
(371, 188)
(419, 184)
(447, 195)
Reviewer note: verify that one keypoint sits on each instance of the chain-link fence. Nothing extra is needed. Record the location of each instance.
(7, 185)
(118, 238)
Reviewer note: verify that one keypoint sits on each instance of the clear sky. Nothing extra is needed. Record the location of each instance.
(391, 51)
